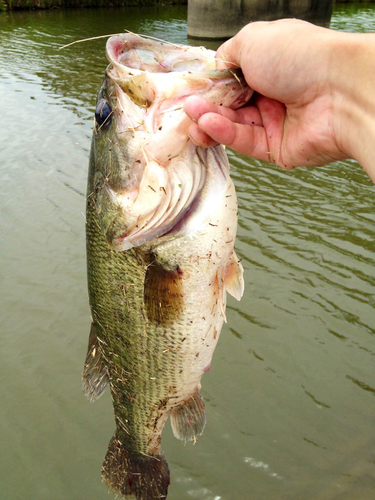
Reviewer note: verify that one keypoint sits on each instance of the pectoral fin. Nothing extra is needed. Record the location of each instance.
(95, 374)
(163, 294)
(233, 277)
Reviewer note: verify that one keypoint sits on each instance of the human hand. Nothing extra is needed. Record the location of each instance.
(304, 79)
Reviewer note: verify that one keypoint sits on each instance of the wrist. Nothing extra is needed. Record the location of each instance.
(353, 83)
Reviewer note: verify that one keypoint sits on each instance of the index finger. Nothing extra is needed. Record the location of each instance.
(196, 106)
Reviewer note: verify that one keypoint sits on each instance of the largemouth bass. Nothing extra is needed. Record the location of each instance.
(161, 225)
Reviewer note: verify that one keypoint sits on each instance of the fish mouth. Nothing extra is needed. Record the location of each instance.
(149, 81)
(157, 56)
(143, 67)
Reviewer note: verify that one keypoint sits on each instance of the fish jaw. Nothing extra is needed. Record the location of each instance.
(156, 77)
(148, 169)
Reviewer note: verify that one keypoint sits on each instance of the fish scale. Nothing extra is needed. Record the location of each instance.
(118, 304)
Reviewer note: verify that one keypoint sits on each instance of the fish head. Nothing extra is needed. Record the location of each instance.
(147, 172)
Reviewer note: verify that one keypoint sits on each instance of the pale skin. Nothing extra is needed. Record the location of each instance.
(314, 99)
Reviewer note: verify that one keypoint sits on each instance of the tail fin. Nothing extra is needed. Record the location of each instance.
(143, 477)
(188, 420)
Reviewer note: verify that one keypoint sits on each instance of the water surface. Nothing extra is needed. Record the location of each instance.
(290, 395)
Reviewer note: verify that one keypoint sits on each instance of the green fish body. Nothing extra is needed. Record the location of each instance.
(161, 223)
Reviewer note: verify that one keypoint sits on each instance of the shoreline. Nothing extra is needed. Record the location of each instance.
(24, 5)
(17, 5)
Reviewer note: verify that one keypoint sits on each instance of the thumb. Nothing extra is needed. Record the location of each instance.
(226, 56)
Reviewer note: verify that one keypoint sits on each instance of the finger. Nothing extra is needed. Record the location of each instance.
(250, 140)
(226, 55)
(196, 106)
(200, 138)
(273, 117)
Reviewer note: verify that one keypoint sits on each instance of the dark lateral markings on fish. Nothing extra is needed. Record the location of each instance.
(161, 221)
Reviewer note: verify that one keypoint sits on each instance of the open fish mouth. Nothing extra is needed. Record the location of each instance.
(145, 87)
(164, 74)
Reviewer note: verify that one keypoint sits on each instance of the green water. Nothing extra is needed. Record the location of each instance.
(290, 396)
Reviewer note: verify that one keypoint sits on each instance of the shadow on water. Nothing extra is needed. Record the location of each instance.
(290, 396)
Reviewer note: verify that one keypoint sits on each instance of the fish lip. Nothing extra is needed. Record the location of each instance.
(116, 44)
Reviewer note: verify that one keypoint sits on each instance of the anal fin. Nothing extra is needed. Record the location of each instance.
(95, 374)
(189, 419)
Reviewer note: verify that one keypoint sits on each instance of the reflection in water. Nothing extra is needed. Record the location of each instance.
(292, 387)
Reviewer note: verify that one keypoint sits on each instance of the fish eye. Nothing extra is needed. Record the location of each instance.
(103, 114)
